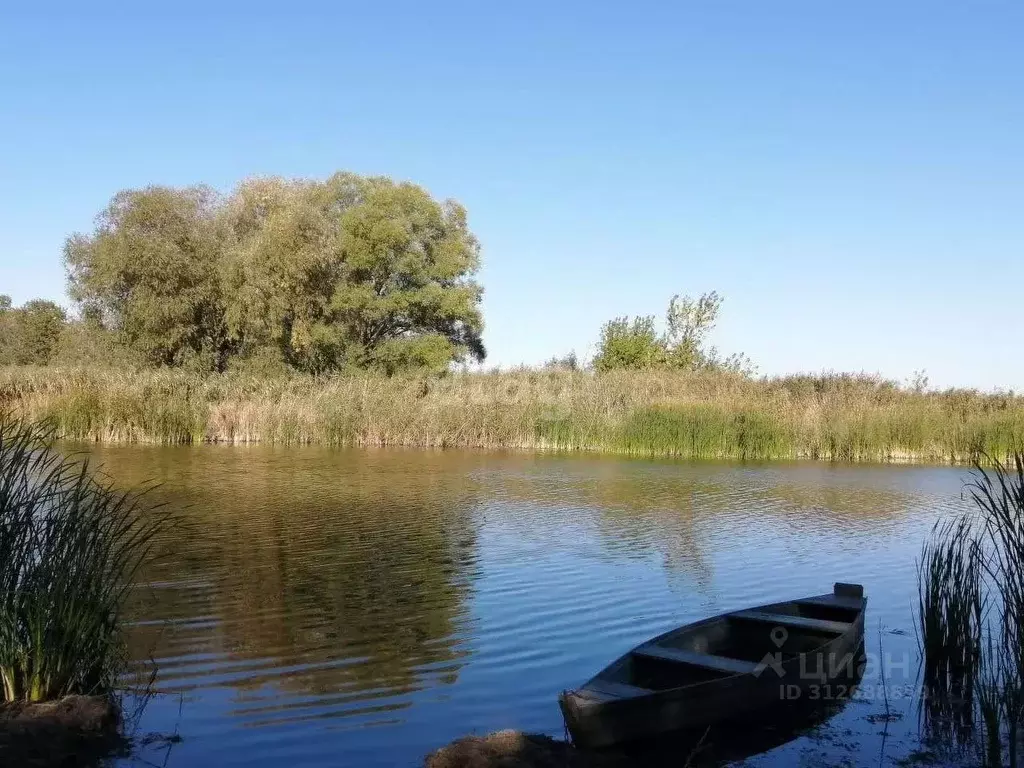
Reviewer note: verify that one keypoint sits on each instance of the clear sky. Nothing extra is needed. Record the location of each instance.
(850, 176)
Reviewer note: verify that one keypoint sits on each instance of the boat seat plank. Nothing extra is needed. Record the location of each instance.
(705, 660)
(607, 689)
(833, 601)
(795, 622)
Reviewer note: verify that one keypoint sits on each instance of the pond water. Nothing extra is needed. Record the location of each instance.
(344, 607)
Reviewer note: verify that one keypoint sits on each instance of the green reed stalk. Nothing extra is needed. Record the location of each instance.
(70, 545)
(971, 606)
(950, 611)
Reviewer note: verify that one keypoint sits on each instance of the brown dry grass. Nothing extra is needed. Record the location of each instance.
(697, 415)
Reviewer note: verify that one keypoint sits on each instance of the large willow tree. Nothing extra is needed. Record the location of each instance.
(149, 273)
(317, 275)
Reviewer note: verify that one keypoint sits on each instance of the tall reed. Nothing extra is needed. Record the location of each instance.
(702, 414)
(951, 611)
(971, 606)
(69, 547)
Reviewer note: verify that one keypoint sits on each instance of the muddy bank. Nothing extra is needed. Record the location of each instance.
(514, 749)
(73, 731)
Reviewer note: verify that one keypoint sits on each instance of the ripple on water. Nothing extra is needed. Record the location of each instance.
(364, 607)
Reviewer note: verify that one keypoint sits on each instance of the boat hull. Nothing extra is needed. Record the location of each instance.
(595, 720)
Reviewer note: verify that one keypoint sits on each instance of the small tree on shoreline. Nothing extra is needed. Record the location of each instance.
(635, 344)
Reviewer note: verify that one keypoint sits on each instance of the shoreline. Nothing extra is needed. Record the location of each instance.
(51, 733)
(901, 460)
(516, 749)
(648, 414)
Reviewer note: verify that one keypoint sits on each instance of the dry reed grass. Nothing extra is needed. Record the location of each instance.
(693, 415)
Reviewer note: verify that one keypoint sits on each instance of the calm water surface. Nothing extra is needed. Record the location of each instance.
(361, 608)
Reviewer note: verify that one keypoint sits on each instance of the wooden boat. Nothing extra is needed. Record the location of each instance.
(724, 668)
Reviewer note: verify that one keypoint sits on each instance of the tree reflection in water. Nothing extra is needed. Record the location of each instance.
(338, 587)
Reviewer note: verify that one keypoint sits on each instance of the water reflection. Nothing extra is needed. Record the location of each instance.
(364, 607)
(736, 741)
(291, 577)
(680, 512)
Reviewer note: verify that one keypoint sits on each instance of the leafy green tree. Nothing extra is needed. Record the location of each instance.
(629, 345)
(85, 342)
(29, 335)
(41, 325)
(280, 266)
(689, 321)
(635, 344)
(353, 272)
(310, 275)
(150, 270)
(408, 298)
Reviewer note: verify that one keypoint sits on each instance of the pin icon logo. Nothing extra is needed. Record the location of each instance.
(779, 635)
(774, 660)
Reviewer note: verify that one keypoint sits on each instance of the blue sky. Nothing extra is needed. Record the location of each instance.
(850, 176)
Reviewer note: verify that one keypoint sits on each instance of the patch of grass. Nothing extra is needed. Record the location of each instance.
(698, 432)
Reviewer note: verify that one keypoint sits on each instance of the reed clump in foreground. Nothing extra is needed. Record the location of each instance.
(971, 619)
(689, 414)
(70, 545)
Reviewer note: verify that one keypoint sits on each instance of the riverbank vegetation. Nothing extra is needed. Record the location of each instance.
(971, 620)
(347, 274)
(343, 311)
(70, 545)
(690, 414)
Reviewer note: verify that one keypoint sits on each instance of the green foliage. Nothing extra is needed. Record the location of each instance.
(150, 273)
(689, 321)
(70, 546)
(429, 351)
(406, 296)
(280, 268)
(30, 335)
(630, 346)
(87, 343)
(637, 345)
(41, 325)
(351, 272)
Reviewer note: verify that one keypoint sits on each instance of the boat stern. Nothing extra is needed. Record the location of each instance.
(585, 719)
